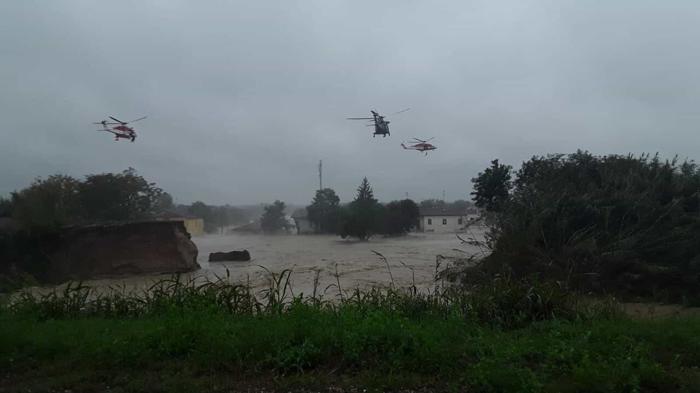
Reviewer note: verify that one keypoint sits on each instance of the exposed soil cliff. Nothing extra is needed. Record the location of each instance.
(121, 249)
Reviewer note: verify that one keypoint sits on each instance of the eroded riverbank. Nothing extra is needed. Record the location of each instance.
(411, 260)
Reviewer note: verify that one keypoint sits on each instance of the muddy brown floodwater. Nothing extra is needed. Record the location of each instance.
(357, 266)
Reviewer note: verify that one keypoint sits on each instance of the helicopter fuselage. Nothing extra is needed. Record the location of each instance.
(121, 134)
(381, 126)
(123, 128)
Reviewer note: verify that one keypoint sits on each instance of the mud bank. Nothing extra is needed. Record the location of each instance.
(121, 250)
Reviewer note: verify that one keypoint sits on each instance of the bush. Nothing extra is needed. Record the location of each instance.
(602, 223)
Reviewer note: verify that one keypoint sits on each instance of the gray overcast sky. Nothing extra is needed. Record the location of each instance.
(244, 98)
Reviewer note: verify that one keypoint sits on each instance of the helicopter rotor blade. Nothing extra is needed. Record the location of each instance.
(117, 120)
(401, 111)
(139, 119)
(359, 118)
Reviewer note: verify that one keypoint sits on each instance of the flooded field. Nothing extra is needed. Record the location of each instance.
(410, 258)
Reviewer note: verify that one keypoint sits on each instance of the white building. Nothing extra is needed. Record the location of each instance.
(446, 219)
(301, 221)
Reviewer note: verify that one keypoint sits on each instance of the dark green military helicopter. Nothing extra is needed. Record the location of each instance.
(381, 126)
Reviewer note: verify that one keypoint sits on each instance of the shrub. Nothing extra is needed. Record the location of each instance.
(602, 223)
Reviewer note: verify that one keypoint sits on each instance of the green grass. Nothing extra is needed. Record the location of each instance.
(372, 348)
(213, 337)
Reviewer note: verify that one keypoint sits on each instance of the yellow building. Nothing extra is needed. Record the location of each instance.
(193, 225)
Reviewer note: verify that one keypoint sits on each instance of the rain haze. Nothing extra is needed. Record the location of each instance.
(244, 98)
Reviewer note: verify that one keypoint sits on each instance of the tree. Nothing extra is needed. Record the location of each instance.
(201, 210)
(5, 207)
(61, 200)
(361, 218)
(235, 215)
(399, 217)
(461, 204)
(324, 211)
(164, 202)
(47, 203)
(273, 219)
(432, 203)
(220, 217)
(119, 197)
(603, 223)
(492, 187)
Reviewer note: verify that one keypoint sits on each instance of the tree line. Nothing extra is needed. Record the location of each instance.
(126, 196)
(363, 217)
(60, 200)
(64, 200)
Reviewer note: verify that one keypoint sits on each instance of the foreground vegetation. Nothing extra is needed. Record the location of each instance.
(512, 335)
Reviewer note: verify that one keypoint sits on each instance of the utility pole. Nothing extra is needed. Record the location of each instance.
(443, 195)
(320, 174)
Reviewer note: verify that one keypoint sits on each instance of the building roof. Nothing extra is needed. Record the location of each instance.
(442, 211)
(300, 213)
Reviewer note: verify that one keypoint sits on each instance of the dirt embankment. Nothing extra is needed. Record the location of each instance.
(121, 249)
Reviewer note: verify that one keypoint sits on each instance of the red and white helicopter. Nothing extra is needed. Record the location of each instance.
(420, 145)
(121, 130)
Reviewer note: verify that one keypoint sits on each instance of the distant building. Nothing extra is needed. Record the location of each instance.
(446, 219)
(194, 225)
(301, 221)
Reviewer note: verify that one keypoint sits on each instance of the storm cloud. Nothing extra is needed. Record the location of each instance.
(244, 98)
